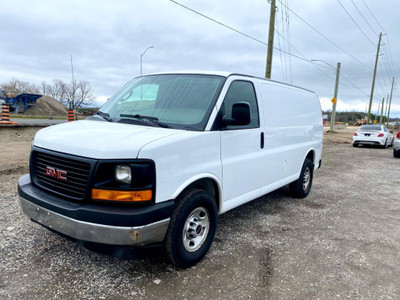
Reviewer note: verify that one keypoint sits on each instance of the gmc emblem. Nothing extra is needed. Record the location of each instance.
(59, 174)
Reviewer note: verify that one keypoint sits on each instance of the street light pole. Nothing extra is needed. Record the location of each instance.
(141, 58)
(333, 118)
(323, 62)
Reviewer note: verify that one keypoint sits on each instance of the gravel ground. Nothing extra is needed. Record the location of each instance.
(342, 241)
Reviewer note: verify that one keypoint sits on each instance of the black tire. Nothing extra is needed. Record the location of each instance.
(396, 153)
(386, 145)
(355, 145)
(177, 242)
(298, 188)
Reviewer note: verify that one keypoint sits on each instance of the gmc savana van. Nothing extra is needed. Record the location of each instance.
(167, 154)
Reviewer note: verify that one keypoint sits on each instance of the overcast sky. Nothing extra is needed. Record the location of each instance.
(106, 39)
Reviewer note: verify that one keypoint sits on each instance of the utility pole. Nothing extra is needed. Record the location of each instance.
(373, 79)
(383, 104)
(386, 109)
(333, 117)
(377, 112)
(270, 39)
(390, 103)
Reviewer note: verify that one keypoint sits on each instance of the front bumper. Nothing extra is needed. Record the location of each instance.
(113, 225)
(380, 142)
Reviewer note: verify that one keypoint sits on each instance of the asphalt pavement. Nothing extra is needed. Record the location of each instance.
(37, 121)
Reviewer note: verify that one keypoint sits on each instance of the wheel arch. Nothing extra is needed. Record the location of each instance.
(311, 156)
(208, 182)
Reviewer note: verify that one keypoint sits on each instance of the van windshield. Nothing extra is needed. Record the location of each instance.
(181, 101)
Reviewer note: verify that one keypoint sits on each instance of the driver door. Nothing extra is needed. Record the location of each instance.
(241, 148)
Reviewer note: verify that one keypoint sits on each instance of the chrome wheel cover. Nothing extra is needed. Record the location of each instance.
(306, 178)
(196, 229)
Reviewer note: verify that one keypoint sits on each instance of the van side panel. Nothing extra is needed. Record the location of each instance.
(293, 127)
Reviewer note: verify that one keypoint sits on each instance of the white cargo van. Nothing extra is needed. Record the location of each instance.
(168, 153)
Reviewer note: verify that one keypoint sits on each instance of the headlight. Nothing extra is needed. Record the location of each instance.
(123, 173)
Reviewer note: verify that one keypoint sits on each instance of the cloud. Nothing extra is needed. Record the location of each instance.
(107, 38)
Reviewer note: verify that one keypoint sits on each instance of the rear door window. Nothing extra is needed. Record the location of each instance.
(370, 127)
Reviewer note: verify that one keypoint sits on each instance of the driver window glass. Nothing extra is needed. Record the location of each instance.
(241, 91)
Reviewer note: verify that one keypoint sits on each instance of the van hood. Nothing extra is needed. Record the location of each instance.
(98, 139)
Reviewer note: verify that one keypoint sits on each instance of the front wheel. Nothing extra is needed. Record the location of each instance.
(192, 228)
(302, 186)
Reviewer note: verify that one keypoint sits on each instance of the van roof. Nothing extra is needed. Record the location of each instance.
(226, 74)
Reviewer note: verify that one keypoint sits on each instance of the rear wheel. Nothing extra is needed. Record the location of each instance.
(355, 145)
(192, 228)
(386, 144)
(396, 153)
(302, 186)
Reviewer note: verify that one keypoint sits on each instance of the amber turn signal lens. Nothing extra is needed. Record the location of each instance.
(126, 196)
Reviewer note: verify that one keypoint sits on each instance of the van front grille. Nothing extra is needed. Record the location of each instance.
(61, 174)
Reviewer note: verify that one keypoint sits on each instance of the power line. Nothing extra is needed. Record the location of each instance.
(387, 65)
(280, 53)
(389, 52)
(284, 42)
(302, 57)
(366, 21)
(325, 37)
(287, 18)
(356, 23)
(376, 20)
(235, 30)
(248, 36)
(388, 47)
(220, 23)
(388, 57)
(354, 86)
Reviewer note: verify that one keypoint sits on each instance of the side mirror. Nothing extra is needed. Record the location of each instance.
(391, 131)
(240, 115)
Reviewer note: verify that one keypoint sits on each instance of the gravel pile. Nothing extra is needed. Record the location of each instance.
(45, 106)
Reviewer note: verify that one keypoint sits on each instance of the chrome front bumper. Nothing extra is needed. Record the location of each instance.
(98, 233)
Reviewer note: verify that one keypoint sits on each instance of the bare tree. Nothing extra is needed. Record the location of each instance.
(78, 94)
(15, 87)
(73, 95)
(44, 87)
(57, 90)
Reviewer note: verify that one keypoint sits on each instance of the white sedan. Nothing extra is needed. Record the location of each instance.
(373, 135)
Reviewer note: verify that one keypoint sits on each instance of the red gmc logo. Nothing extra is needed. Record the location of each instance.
(59, 174)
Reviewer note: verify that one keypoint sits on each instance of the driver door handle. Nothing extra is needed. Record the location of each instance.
(262, 140)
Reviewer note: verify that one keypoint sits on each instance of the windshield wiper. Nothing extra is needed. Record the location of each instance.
(137, 116)
(105, 116)
(150, 119)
